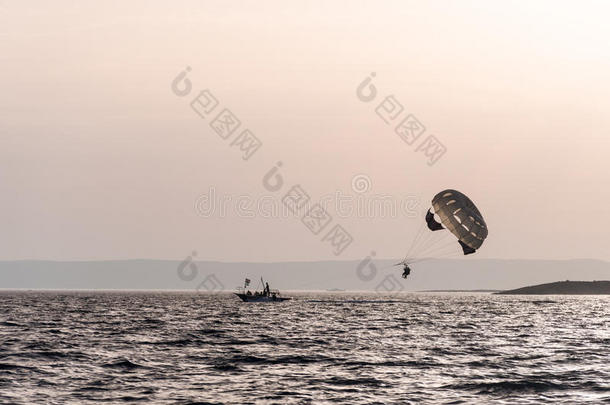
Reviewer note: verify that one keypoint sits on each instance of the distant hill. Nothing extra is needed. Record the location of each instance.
(564, 287)
(456, 274)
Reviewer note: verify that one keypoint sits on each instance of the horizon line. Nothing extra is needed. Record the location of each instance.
(285, 261)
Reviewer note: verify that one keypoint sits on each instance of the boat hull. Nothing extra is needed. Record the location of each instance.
(260, 298)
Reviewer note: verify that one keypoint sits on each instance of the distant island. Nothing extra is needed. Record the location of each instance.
(564, 287)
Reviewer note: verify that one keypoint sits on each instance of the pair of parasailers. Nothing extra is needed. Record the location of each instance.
(406, 270)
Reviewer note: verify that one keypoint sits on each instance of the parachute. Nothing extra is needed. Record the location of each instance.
(458, 218)
(461, 217)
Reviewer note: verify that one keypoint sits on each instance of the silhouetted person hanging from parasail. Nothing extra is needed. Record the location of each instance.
(406, 270)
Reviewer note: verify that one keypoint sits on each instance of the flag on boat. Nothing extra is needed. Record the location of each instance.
(247, 282)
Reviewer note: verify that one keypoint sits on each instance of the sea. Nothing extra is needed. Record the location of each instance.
(320, 348)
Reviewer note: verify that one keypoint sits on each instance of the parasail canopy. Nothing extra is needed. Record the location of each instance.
(455, 216)
(461, 217)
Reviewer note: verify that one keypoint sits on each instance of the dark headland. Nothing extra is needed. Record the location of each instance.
(564, 287)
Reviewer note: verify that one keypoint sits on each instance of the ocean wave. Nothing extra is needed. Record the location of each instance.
(359, 349)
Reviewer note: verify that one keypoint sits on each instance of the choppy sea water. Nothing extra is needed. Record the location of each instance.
(79, 347)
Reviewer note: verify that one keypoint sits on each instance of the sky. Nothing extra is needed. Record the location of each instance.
(103, 156)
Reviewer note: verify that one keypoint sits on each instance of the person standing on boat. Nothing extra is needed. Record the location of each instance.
(267, 289)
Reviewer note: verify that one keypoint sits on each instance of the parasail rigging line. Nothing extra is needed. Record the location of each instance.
(415, 240)
(428, 244)
(437, 247)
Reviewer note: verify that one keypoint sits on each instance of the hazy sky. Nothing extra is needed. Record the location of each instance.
(99, 159)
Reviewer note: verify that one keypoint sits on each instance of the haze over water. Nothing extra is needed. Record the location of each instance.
(154, 145)
(74, 347)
